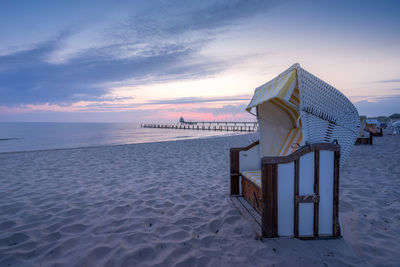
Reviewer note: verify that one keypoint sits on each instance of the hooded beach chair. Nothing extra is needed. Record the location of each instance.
(373, 126)
(364, 136)
(287, 183)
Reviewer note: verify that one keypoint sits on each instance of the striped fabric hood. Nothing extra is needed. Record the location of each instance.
(281, 88)
(320, 111)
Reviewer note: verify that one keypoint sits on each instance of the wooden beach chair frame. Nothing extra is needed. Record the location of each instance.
(287, 183)
(364, 140)
(263, 210)
(372, 128)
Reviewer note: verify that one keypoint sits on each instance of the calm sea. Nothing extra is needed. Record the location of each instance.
(28, 136)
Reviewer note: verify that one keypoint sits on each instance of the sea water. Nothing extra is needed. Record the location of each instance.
(29, 136)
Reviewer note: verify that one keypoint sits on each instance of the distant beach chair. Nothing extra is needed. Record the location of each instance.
(287, 183)
(364, 137)
(394, 127)
(373, 126)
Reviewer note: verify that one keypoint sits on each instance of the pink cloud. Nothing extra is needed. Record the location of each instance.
(196, 116)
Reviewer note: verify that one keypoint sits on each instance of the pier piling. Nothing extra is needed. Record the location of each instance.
(208, 126)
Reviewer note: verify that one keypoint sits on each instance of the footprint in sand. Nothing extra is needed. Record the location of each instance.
(177, 236)
(120, 210)
(53, 237)
(7, 225)
(13, 240)
(73, 229)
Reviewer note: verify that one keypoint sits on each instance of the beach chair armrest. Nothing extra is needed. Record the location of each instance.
(300, 152)
(235, 166)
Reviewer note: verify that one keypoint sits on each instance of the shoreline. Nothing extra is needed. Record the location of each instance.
(128, 144)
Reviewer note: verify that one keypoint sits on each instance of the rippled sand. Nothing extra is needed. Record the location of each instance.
(168, 204)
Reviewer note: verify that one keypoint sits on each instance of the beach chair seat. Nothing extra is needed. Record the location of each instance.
(290, 145)
(253, 176)
(252, 189)
(288, 181)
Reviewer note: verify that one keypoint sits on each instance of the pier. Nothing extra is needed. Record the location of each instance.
(208, 126)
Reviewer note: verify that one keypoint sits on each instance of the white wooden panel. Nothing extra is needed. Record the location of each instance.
(285, 199)
(326, 171)
(306, 187)
(306, 219)
(306, 174)
(250, 159)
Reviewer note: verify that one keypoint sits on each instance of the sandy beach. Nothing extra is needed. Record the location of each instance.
(167, 204)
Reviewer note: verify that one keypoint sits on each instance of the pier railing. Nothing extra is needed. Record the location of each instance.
(208, 126)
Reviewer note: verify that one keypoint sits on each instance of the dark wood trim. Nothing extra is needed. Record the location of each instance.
(234, 167)
(308, 199)
(300, 152)
(364, 140)
(296, 196)
(336, 227)
(380, 133)
(248, 212)
(251, 182)
(275, 198)
(245, 148)
(269, 190)
(256, 201)
(249, 190)
(316, 192)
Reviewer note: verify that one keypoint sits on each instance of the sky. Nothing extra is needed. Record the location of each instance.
(155, 61)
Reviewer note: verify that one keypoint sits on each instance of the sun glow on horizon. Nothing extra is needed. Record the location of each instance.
(151, 59)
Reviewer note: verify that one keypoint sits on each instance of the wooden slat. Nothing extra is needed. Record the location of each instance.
(249, 189)
(269, 189)
(254, 214)
(308, 199)
(336, 228)
(248, 212)
(300, 152)
(234, 161)
(275, 198)
(296, 195)
(316, 192)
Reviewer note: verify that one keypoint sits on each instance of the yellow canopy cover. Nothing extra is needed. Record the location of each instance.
(283, 92)
(278, 132)
(281, 88)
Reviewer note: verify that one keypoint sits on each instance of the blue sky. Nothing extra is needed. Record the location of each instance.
(157, 60)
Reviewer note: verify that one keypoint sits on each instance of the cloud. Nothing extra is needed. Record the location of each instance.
(154, 39)
(383, 105)
(196, 100)
(389, 81)
(153, 114)
(27, 78)
(232, 109)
